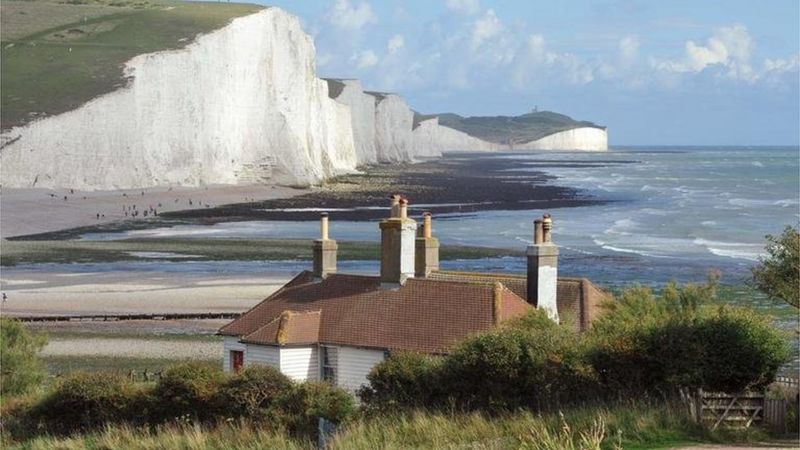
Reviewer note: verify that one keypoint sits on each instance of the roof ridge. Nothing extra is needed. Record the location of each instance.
(481, 274)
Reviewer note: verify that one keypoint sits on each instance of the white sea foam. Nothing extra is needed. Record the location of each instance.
(161, 255)
(737, 250)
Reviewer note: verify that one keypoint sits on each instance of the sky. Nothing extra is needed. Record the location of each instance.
(655, 73)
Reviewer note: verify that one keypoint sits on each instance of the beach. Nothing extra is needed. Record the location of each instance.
(32, 211)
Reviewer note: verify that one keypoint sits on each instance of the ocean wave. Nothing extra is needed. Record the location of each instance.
(736, 250)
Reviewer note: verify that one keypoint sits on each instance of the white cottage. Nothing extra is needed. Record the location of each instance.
(323, 325)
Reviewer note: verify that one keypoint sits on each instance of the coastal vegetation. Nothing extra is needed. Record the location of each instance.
(531, 383)
(778, 272)
(17, 252)
(58, 55)
(20, 367)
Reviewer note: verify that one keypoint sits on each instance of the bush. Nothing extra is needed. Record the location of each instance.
(299, 408)
(742, 351)
(20, 367)
(404, 380)
(85, 401)
(533, 362)
(188, 391)
(649, 344)
(252, 392)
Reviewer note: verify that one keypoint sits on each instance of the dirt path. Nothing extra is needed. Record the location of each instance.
(776, 445)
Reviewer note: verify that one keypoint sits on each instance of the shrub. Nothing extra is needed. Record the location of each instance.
(20, 367)
(661, 344)
(188, 390)
(298, 408)
(404, 380)
(252, 392)
(88, 400)
(742, 350)
(533, 362)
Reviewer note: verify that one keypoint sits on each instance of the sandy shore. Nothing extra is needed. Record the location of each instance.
(33, 292)
(30, 211)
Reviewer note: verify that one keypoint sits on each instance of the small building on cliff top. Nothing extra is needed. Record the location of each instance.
(323, 325)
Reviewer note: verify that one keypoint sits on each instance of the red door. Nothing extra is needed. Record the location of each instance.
(237, 360)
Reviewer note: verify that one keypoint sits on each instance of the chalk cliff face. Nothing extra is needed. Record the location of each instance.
(362, 115)
(241, 104)
(431, 139)
(585, 138)
(393, 122)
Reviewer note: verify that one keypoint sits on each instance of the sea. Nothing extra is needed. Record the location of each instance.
(670, 213)
(667, 214)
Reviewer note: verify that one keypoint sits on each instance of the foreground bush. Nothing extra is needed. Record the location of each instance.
(406, 380)
(660, 344)
(20, 367)
(188, 391)
(252, 392)
(299, 408)
(743, 351)
(85, 401)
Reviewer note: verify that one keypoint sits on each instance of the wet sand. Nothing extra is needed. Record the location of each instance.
(32, 292)
(31, 211)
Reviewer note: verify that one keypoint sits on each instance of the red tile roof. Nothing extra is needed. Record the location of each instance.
(423, 315)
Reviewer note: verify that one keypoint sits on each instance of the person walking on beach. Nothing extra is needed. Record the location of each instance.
(5, 297)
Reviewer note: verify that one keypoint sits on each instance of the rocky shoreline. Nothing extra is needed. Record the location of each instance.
(457, 184)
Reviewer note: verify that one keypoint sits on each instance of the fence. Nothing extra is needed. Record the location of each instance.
(121, 317)
(719, 409)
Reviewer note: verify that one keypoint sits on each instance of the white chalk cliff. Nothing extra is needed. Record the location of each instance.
(242, 104)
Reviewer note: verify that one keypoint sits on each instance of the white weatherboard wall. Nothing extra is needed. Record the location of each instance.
(354, 364)
(266, 355)
(300, 363)
(235, 97)
(228, 344)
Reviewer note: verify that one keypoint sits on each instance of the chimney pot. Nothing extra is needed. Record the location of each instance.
(426, 225)
(537, 231)
(323, 226)
(547, 226)
(403, 208)
(395, 205)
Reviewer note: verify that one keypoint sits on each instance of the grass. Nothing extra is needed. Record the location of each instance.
(74, 251)
(47, 71)
(629, 425)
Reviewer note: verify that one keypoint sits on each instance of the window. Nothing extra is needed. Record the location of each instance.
(328, 366)
(237, 360)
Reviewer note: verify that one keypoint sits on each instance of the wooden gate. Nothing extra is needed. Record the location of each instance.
(715, 409)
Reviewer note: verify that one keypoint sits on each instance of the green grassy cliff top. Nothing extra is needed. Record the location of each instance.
(57, 56)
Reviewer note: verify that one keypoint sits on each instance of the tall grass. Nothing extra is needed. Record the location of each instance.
(629, 426)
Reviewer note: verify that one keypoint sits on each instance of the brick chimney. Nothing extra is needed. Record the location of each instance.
(324, 250)
(398, 234)
(427, 249)
(543, 268)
